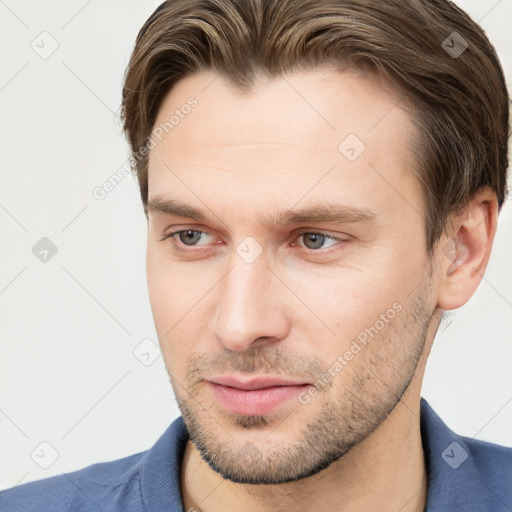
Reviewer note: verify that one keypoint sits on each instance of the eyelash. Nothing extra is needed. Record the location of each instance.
(172, 238)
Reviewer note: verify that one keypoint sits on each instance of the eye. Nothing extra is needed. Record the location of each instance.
(314, 241)
(189, 236)
(185, 237)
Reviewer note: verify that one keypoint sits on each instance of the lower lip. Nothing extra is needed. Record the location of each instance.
(256, 401)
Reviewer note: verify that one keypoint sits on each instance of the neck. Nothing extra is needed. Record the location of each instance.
(385, 472)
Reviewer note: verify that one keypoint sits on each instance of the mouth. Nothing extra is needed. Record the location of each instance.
(255, 396)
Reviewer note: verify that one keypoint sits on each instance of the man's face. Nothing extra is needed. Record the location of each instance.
(246, 294)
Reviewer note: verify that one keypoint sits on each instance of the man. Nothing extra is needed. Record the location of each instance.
(322, 180)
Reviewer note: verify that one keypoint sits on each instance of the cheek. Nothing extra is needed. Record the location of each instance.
(165, 287)
(342, 301)
(173, 287)
(178, 295)
(159, 287)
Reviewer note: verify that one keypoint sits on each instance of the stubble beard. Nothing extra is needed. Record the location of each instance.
(379, 378)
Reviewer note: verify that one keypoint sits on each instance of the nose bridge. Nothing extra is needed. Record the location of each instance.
(246, 309)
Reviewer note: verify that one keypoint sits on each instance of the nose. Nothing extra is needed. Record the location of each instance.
(250, 309)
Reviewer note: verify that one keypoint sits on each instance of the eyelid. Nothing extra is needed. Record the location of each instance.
(172, 237)
(327, 234)
(323, 251)
(296, 235)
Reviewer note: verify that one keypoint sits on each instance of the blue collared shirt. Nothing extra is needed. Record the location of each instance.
(464, 475)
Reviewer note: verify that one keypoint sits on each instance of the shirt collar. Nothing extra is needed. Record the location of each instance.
(161, 470)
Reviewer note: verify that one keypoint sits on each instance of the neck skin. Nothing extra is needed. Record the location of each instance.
(385, 472)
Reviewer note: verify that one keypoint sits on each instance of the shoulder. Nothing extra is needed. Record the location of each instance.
(493, 465)
(464, 473)
(148, 480)
(96, 487)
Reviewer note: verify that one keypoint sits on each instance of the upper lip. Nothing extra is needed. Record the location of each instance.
(255, 382)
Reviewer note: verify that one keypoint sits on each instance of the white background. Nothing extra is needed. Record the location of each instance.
(68, 375)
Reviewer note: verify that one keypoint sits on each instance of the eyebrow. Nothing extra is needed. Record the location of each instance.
(315, 214)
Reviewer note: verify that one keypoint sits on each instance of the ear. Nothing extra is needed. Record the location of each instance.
(464, 255)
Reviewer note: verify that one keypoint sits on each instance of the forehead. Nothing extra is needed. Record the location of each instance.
(282, 137)
(306, 105)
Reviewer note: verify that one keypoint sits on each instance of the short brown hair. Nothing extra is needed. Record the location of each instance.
(460, 103)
